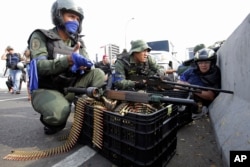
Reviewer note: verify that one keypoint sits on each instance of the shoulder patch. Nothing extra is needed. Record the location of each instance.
(35, 44)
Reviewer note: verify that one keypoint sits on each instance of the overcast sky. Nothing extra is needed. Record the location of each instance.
(184, 22)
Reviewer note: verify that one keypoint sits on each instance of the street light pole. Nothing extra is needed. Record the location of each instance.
(126, 26)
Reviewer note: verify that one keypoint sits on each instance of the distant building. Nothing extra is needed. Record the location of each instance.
(189, 53)
(111, 50)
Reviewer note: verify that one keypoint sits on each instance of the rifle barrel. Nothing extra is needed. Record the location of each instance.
(198, 87)
(129, 96)
(145, 97)
(174, 100)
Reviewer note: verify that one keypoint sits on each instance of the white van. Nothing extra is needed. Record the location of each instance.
(164, 55)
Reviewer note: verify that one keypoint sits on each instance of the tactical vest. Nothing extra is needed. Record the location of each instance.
(56, 48)
(12, 60)
(143, 69)
(55, 45)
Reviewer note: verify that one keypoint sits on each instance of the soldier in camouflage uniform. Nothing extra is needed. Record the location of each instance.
(59, 60)
(137, 62)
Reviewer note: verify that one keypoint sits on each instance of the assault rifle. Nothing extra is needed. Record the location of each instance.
(130, 96)
(158, 82)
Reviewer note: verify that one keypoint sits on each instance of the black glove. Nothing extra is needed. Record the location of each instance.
(140, 84)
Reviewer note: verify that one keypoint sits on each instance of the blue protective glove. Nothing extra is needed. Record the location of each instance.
(79, 61)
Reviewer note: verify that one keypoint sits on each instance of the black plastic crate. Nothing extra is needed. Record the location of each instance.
(157, 156)
(129, 155)
(134, 139)
(184, 116)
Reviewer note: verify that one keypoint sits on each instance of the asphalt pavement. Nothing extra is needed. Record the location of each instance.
(2, 83)
(22, 130)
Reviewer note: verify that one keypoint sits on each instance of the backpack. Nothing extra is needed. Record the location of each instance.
(12, 60)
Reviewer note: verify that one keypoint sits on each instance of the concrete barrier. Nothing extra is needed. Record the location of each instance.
(230, 114)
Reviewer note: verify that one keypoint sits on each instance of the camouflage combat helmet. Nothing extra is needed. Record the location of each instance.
(198, 47)
(139, 46)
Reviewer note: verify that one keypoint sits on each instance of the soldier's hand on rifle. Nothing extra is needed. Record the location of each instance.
(176, 87)
(183, 82)
(170, 71)
(140, 84)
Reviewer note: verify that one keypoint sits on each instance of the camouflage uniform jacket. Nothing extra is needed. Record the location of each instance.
(125, 67)
(53, 69)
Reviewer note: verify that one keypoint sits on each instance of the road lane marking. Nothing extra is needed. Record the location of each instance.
(77, 158)
(17, 116)
(12, 99)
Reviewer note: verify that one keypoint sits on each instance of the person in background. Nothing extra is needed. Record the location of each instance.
(138, 63)
(171, 72)
(59, 60)
(123, 53)
(198, 47)
(104, 65)
(12, 59)
(9, 84)
(205, 73)
(26, 55)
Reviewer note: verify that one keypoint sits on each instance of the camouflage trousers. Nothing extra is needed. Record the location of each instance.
(55, 107)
